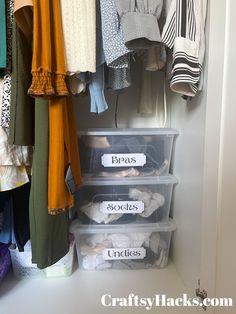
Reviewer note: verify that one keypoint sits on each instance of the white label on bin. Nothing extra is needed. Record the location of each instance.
(124, 253)
(123, 160)
(122, 207)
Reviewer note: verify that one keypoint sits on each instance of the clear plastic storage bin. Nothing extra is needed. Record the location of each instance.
(119, 247)
(117, 201)
(126, 152)
(24, 268)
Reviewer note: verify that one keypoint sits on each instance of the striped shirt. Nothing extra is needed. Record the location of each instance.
(184, 34)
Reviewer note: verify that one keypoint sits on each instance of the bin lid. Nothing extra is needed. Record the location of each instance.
(78, 228)
(149, 180)
(129, 131)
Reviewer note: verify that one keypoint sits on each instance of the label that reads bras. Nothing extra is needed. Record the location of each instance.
(123, 160)
(124, 253)
(122, 207)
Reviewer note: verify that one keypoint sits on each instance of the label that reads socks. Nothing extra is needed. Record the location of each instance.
(123, 160)
(122, 207)
(124, 253)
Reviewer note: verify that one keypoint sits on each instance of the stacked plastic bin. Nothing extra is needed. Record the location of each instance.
(123, 213)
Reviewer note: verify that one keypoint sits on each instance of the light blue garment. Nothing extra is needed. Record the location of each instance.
(100, 57)
(116, 53)
(98, 102)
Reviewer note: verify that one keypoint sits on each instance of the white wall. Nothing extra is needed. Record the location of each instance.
(128, 115)
(189, 119)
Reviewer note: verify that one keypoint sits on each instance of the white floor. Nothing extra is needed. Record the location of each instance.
(81, 293)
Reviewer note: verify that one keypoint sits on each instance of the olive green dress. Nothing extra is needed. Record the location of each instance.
(49, 234)
(21, 131)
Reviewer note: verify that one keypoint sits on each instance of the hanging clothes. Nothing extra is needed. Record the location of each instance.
(49, 234)
(98, 103)
(7, 234)
(6, 93)
(23, 12)
(15, 205)
(21, 129)
(3, 40)
(12, 155)
(12, 159)
(22, 106)
(48, 66)
(116, 53)
(155, 58)
(79, 31)
(9, 21)
(78, 83)
(63, 152)
(184, 34)
(48, 71)
(6, 101)
(118, 79)
(12, 177)
(139, 20)
(20, 203)
(147, 101)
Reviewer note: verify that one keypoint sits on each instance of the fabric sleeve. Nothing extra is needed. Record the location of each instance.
(140, 22)
(181, 33)
(116, 53)
(98, 102)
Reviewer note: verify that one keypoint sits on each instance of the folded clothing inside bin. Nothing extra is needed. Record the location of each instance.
(92, 251)
(121, 201)
(120, 247)
(152, 201)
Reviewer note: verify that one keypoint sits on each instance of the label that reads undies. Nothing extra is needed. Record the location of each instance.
(122, 207)
(123, 160)
(124, 253)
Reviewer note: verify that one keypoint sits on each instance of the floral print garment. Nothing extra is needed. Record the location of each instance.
(12, 159)
(12, 177)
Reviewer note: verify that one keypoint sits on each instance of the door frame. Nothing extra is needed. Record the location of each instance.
(211, 207)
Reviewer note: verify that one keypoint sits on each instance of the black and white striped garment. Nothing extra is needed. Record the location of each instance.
(182, 34)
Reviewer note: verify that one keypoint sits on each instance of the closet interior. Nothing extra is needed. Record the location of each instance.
(194, 197)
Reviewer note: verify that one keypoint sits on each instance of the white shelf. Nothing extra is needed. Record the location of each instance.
(81, 293)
